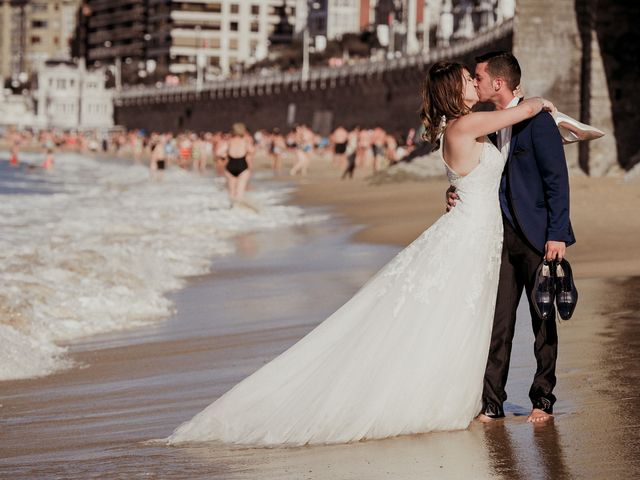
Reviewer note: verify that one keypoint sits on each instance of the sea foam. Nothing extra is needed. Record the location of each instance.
(99, 245)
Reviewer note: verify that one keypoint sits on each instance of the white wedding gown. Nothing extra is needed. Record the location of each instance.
(406, 354)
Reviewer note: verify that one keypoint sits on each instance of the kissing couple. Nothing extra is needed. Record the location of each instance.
(425, 344)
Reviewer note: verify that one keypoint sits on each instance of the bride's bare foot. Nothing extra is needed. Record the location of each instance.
(539, 416)
(482, 418)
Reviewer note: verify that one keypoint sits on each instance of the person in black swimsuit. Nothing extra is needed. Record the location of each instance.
(238, 168)
(235, 166)
(158, 159)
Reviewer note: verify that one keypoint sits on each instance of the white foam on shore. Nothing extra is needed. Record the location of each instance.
(101, 254)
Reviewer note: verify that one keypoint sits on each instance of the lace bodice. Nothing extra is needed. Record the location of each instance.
(484, 179)
(472, 229)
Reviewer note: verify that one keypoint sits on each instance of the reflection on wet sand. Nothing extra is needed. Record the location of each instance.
(518, 451)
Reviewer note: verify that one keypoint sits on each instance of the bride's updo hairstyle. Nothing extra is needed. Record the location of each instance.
(442, 99)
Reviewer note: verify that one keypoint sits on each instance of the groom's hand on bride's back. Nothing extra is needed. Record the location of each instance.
(451, 196)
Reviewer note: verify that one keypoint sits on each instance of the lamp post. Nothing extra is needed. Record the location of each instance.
(305, 45)
(311, 5)
(199, 60)
(425, 27)
(305, 54)
(412, 42)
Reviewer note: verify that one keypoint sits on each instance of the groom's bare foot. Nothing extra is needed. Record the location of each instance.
(539, 416)
(482, 418)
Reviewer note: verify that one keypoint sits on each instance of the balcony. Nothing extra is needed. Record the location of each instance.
(101, 5)
(134, 33)
(108, 53)
(135, 15)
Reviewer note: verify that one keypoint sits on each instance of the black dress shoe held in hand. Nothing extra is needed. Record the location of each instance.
(566, 292)
(543, 293)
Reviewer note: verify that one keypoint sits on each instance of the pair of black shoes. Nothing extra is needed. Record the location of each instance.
(554, 284)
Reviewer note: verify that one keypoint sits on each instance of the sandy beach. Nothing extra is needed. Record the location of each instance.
(95, 420)
(603, 214)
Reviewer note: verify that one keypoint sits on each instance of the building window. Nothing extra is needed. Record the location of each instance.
(235, 8)
(61, 84)
(38, 7)
(35, 40)
(233, 26)
(211, 43)
(255, 9)
(215, 7)
(255, 27)
(38, 24)
(233, 43)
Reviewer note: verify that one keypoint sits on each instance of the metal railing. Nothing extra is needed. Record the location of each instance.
(317, 75)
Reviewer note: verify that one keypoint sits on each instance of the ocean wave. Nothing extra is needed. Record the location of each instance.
(101, 250)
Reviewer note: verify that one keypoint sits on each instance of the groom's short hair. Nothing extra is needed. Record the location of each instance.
(502, 64)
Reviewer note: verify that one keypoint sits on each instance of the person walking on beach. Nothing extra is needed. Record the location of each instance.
(15, 149)
(406, 354)
(158, 160)
(239, 161)
(277, 147)
(338, 140)
(534, 200)
(221, 146)
(48, 145)
(352, 147)
(304, 141)
(363, 152)
(378, 138)
(198, 154)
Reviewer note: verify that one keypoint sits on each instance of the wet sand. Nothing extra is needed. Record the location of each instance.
(93, 421)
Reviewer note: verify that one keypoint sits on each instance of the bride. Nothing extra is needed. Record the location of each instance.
(407, 353)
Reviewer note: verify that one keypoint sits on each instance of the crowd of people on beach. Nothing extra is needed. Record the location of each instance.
(231, 154)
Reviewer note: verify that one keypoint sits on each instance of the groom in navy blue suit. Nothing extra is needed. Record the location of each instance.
(534, 198)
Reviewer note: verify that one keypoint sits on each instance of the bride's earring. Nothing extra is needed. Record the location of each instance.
(572, 130)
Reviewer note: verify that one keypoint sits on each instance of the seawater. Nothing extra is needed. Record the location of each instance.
(94, 246)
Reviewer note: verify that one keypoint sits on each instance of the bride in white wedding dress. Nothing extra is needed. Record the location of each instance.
(407, 353)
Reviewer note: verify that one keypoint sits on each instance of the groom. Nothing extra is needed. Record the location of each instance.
(534, 198)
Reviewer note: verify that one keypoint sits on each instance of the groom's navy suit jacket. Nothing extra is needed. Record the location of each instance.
(535, 182)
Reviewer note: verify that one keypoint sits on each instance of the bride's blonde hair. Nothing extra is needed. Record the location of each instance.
(442, 99)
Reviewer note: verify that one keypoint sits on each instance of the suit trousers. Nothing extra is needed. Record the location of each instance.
(517, 273)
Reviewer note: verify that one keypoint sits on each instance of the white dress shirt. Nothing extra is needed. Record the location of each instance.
(504, 135)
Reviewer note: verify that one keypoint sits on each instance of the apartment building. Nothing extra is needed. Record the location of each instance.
(334, 18)
(180, 37)
(115, 33)
(31, 32)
